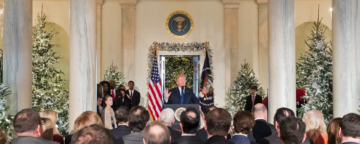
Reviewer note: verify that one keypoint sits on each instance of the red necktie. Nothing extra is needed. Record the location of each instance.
(130, 94)
(113, 94)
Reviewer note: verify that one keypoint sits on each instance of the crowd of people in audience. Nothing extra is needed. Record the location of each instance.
(128, 123)
(133, 126)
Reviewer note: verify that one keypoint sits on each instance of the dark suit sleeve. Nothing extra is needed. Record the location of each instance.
(194, 99)
(170, 97)
(260, 99)
(136, 99)
(247, 108)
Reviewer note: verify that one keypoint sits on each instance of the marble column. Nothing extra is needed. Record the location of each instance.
(128, 38)
(82, 58)
(18, 53)
(281, 56)
(231, 27)
(346, 60)
(263, 45)
(99, 4)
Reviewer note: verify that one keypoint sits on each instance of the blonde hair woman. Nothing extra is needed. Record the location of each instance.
(87, 118)
(53, 116)
(315, 127)
(47, 127)
(108, 115)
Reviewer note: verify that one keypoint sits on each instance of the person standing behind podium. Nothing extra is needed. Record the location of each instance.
(180, 94)
(252, 99)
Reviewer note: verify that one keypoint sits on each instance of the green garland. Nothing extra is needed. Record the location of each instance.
(6, 120)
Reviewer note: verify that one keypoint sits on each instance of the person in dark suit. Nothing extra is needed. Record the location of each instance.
(280, 114)
(180, 94)
(218, 125)
(243, 122)
(27, 126)
(252, 99)
(134, 95)
(156, 133)
(261, 128)
(121, 115)
(201, 133)
(349, 129)
(189, 122)
(99, 108)
(138, 119)
(167, 116)
(122, 100)
(292, 131)
(115, 94)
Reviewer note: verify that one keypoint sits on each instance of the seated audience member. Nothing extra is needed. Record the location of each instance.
(87, 118)
(333, 131)
(3, 139)
(156, 133)
(53, 116)
(261, 128)
(93, 134)
(99, 108)
(121, 115)
(280, 115)
(201, 133)
(243, 122)
(167, 117)
(138, 119)
(189, 123)
(47, 129)
(218, 126)
(27, 127)
(107, 115)
(292, 131)
(315, 127)
(350, 129)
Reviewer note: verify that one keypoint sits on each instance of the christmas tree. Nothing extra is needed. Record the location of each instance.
(47, 84)
(314, 73)
(236, 98)
(112, 73)
(5, 119)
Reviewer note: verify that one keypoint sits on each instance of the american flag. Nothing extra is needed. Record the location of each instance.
(155, 98)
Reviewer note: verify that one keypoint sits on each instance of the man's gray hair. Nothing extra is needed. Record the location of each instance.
(167, 116)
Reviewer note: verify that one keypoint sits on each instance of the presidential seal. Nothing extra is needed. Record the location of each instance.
(179, 24)
(178, 113)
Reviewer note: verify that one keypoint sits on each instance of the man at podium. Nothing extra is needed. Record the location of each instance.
(180, 94)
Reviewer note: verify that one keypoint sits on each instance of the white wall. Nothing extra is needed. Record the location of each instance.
(307, 10)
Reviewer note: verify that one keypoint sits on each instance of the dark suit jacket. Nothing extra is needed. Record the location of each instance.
(188, 140)
(239, 139)
(175, 135)
(218, 140)
(175, 97)
(68, 139)
(121, 100)
(132, 138)
(350, 142)
(120, 131)
(248, 105)
(202, 134)
(135, 99)
(274, 139)
(260, 130)
(31, 140)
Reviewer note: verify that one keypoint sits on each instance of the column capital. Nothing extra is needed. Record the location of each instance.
(99, 2)
(262, 1)
(231, 3)
(127, 3)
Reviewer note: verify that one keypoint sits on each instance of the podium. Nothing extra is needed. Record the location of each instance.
(178, 109)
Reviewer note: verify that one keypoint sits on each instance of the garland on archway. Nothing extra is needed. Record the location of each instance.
(175, 47)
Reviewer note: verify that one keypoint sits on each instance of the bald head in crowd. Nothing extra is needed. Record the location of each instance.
(156, 133)
(260, 111)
